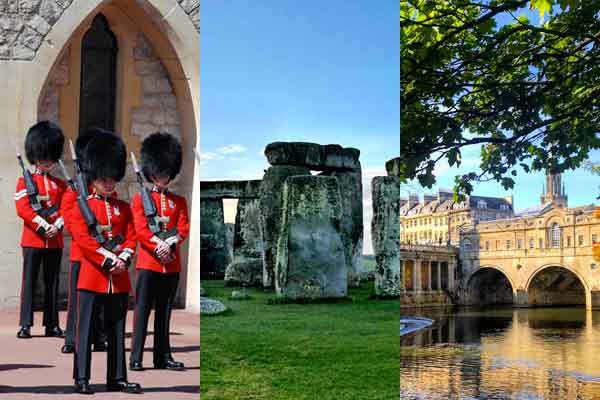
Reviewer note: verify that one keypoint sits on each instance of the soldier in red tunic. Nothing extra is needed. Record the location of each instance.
(158, 262)
(37, 198)
(105, 235)
(69, 202)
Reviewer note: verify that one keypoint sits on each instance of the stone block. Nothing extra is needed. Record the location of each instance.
(393, 167)
(350, 183)
(310, 249)
(39, 24)
(385, 229)
(213, 255)
(29, 6)
(271, 202)
(230, 189)
(314, 156)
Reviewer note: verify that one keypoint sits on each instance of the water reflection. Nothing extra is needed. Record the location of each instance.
(503, 353)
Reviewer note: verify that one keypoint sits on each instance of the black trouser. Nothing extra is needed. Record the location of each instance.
(158, 289)
(115, 312)
(33, 259)
(97, 327)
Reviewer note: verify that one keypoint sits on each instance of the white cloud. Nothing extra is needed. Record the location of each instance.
(210, 156)
(231, 149)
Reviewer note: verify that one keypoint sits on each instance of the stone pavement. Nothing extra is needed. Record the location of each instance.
(35, 368)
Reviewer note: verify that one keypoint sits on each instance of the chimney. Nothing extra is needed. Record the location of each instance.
(444, 194)
(428, 198)
(413, 199)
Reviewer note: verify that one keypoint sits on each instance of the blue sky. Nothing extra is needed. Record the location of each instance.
(582, 187)
(282, 70)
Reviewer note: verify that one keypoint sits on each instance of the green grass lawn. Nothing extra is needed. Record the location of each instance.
(338, 351)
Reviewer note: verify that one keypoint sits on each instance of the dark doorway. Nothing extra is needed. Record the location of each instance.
(98, 77)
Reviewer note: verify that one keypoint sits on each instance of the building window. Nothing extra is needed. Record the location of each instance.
(555, 235)
(97, 98)
(519, 243)
(594, 238)
(531, 243)
(541, 243)
(568, 241)
(481, 204)
(580, 240)
(508, 245)
(487, 245)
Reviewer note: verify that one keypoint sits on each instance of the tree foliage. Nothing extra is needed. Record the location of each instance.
(482, 73)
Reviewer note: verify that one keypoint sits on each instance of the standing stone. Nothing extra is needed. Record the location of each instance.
(270, 214)
(213, 250)
(246, 268)
(350, 183)
(229, 234)
(310, 249)
(385, 228)
(393, 167)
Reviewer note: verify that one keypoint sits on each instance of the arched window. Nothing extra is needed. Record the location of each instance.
(555, 232)
(97, 96)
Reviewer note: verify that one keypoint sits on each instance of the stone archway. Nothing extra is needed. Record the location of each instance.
(158, 89)
(489, 285)
(556, 285)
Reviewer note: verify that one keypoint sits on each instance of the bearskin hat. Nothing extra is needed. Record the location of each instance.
(161, 156)
(105, 156)
(83, 139)
(44, 141)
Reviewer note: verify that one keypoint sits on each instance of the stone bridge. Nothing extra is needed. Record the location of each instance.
(530, 277)
(428, 275)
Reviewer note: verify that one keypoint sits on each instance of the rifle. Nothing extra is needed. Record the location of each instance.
(79, 177)
(152, 217)
(34, 196)
(90, 220)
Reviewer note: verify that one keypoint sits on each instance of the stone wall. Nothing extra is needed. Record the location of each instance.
(50, 99)
(25, 23)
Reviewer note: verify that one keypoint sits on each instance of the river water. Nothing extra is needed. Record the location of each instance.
(503, 353)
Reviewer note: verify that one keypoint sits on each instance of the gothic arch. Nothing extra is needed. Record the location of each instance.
(175, 39)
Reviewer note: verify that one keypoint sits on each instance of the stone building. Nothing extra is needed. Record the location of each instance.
(128, 65)
(541, 256)
(438, 219)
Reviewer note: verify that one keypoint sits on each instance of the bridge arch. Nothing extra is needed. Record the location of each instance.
(557, 285)
(489, 284)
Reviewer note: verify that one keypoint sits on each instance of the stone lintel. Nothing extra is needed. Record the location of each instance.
(230, 189)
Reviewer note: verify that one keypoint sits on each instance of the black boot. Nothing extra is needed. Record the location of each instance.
(123, 386)
(100, 346)
(170, 364)
(24, 333)
(83, 386)
(136, 366)
(67, 349)
(54, 331)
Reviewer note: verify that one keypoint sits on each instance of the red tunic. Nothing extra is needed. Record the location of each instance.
(47, 185)
(92, 276)
(167, 205)
(68, 203)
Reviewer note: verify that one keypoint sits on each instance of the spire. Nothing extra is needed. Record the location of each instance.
(554, 190)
